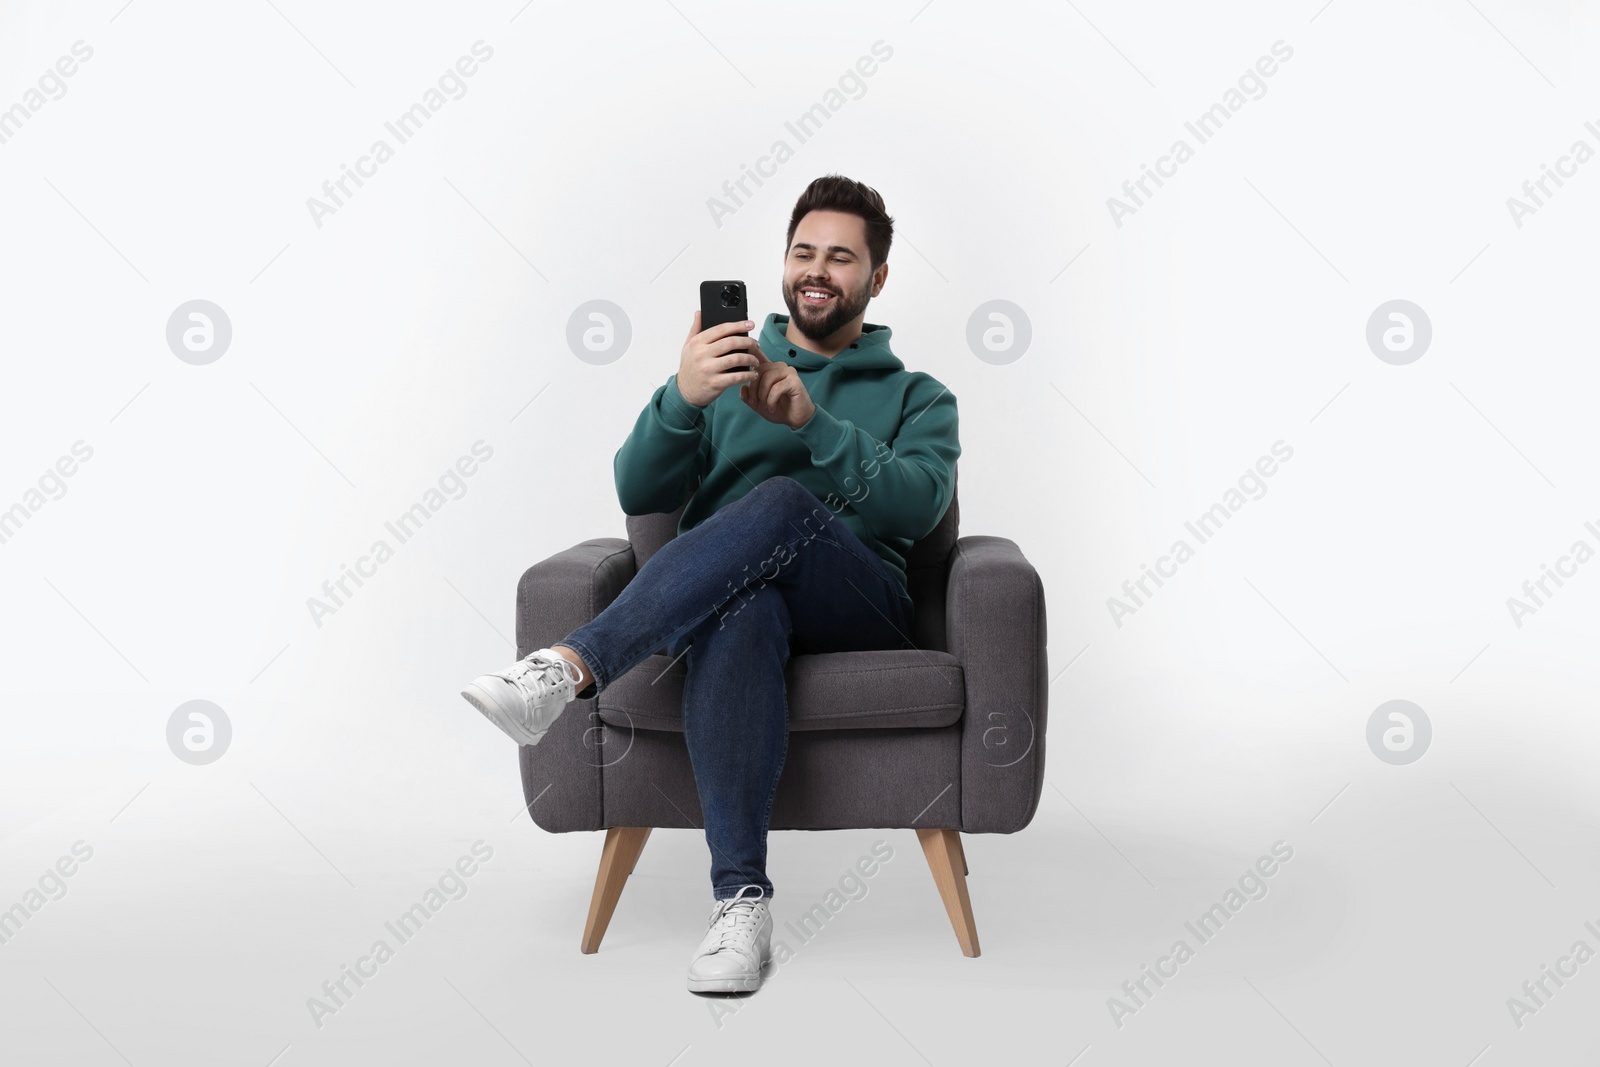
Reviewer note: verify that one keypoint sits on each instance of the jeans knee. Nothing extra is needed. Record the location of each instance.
(791, 500)
(782, 487)
(755, 613)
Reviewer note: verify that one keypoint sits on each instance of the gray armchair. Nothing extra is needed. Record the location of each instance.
(944, 738)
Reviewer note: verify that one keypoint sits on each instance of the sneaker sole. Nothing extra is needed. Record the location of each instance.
(725, 985)
(491, 710)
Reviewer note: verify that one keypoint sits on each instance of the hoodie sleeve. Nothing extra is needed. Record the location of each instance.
(664, 455)
(900, 488)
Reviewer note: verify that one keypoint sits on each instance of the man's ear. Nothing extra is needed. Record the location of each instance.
(880, 276)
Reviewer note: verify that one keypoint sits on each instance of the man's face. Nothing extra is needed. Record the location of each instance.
(828, 256)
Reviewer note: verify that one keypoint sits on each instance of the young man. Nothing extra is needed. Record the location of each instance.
(815, 477)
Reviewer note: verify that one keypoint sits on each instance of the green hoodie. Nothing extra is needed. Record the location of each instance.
(880, 451)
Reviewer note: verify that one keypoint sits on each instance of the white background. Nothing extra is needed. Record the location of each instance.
(1167, 354)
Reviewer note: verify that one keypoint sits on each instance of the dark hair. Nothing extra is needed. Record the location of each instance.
(835, 192)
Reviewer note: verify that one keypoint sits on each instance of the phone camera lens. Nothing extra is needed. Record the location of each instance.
(730, 296)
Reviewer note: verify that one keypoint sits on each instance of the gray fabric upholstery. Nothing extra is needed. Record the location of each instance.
(554, 598)
(832, 780)
(949, 734)
(996, 619)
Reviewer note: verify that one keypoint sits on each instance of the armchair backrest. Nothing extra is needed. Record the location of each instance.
(927, 564)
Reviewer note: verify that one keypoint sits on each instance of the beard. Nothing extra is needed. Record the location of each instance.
(819, 324)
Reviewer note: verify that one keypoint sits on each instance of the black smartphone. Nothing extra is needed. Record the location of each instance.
(723, 301)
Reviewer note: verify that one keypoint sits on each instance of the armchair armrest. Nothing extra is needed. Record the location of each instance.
(555, 597)
(995, 619)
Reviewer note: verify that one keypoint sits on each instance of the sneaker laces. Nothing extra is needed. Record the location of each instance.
(735, 919)
(541, 674)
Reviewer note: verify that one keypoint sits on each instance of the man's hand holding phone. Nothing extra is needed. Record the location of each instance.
(778, 395)
(714, 359)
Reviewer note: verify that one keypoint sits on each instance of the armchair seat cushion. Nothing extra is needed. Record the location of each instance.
(827, 691)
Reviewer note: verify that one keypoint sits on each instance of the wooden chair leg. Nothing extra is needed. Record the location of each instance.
(640, 850)
(617, 860)
(942, 848)
(961, 850)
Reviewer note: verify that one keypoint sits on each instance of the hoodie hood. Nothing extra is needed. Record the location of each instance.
(870, 351)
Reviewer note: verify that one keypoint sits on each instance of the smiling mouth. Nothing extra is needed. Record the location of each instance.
(815, 297)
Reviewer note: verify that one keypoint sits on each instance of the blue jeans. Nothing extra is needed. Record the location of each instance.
(773, 572)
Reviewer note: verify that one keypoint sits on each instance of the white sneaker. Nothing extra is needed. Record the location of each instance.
(736, 947)
(527, 697)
